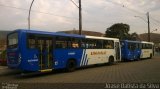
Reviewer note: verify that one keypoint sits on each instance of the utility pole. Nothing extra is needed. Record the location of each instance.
(80, 18)
(29, 21)
(148, 27)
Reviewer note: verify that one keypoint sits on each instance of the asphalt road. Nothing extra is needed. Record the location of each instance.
(143, 71)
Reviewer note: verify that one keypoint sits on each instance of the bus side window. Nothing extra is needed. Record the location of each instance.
(75, 43)
(139, 46)
(150, 46)
(108, 44)
(49, 45)
(31, 41)
(82, 43)
(129, 46)
(61, 42)
(147, 46)
(40, 44)
(99, 44)
(91, 44)
(144, 46)
(111, 43)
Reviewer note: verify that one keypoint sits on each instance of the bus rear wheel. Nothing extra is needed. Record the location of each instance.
(150, 56)
(111, 60)
(71, 65)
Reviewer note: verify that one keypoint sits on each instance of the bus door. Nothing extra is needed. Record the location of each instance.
(45, 47)
(130, 51)
(117, 50)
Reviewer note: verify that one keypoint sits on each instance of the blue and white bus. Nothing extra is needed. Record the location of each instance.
(135, 50)
(31, 50)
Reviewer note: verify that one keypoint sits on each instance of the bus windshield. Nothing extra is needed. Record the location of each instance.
(13, 40)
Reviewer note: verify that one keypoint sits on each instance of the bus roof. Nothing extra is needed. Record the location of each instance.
(131, 41)
(138, 41)
(64, 34)
(50, 33)
(105, 38)
(147, 42)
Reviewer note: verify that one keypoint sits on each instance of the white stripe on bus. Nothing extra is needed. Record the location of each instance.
(82, 58)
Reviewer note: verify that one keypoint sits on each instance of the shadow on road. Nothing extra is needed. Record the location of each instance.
(24, 75)
(10, 72)
(27, 75)
(37, 74)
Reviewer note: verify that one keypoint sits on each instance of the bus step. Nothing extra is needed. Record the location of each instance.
(46, 70)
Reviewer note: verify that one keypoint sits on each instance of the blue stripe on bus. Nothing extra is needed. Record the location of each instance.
(86, 60)
(83, 56)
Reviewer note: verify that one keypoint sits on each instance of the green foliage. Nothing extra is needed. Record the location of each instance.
(121, 31)
(134, 36)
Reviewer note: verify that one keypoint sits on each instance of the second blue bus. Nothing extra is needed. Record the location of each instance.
(136, 50)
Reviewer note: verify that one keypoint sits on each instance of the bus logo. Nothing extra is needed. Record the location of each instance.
(71, 53)
(98, 53)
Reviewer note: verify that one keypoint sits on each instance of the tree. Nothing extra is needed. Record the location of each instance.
(134, 36)
(120, 31)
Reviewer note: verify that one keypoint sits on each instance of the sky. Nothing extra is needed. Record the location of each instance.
(97, 15)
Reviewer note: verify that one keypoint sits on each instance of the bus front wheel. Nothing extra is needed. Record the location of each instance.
(71, 65)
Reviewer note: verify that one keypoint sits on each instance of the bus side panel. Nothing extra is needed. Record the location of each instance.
(128, 54)
(96, 56)
(29, 56)
(125, 52)
(137, 53)
(61, 57)
(146, 53)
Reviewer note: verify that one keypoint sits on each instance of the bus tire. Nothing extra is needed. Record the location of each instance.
(150, 56)
(111, 60)
(71, 65)
(138, 58)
